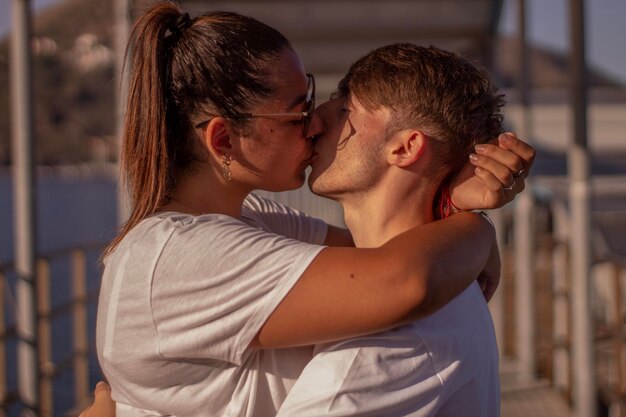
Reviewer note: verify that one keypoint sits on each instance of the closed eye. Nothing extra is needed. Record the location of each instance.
(298, 122)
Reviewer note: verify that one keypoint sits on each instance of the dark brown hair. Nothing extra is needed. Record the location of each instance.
(440, 92)
(183, 69)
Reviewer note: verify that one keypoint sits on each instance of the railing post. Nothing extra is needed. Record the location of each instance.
(617, 407)
(46, 366)
(560, 287)
(81, 338)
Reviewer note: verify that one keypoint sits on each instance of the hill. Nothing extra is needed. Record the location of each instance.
(73, 82)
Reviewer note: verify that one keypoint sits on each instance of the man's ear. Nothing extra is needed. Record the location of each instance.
(217, 137)
(406, 147)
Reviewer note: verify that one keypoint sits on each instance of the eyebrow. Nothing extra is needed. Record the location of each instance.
(298, 100)
(338, 94)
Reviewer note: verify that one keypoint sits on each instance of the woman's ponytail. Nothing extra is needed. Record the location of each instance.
(145, 163)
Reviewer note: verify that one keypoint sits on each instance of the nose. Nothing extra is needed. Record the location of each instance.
(318, 125)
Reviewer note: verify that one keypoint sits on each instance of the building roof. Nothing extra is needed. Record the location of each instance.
(331, 34)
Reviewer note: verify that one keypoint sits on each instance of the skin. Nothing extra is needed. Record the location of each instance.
(103, 405)
(386, 173)
(353, 299)
(340, 148)
(272, 155)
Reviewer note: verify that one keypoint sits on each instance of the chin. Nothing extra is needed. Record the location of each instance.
(311, 182)
(293, 184)
(317, 188)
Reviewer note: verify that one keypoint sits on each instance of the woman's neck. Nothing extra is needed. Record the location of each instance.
(198, 193)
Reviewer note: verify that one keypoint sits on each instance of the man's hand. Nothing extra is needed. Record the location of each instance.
(494, 175)
(103, 405)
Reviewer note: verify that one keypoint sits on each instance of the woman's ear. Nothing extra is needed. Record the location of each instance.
(406, 147)
(217, 137)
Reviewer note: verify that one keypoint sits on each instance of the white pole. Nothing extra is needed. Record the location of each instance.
(524, 287)
(523, 230)
(585, 396)
(24, 209)
(497, 302)
(122, 33)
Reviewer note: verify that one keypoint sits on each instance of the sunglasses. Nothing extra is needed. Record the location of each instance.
(305, 116)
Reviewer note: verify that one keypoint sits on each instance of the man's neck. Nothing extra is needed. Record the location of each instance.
(378, 215)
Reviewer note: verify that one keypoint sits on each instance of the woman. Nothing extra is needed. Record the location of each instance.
(206, 307)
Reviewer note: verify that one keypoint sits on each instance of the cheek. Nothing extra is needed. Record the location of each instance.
(277, 150)
(283, 161)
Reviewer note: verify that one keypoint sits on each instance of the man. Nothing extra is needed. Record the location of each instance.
(405, 119)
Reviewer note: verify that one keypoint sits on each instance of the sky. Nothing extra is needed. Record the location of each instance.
(548, 25)
(547, 21)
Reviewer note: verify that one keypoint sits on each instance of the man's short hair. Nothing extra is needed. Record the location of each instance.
(434, 90)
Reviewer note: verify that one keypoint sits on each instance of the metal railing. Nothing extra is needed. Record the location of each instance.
(611, 348)
(553, 323)
(75, 307)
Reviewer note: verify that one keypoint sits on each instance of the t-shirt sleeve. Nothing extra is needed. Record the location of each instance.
(278, 218)
(215, 284)
(387, 374)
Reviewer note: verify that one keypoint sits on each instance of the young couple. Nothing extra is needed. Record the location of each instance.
(216, 302)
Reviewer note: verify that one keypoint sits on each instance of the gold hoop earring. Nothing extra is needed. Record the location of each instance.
(226, 161)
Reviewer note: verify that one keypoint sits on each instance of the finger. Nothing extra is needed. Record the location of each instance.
(496, 140)
(492, 183)
(502, 173)
(518, 147)
(102, 388)
(502, 156)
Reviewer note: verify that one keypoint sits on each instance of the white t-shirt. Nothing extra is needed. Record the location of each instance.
(444, 365)
(181, 299)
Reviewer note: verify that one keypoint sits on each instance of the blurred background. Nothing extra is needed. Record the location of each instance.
(559, 312)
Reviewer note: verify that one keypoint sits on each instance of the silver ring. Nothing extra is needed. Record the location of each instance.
(519, 173)
(510, 187)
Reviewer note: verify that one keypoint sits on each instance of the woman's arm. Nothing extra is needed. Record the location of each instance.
(337, 236)
(346, 292)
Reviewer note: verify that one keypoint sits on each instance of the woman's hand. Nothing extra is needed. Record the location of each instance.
(494, 176)
(103, 405)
